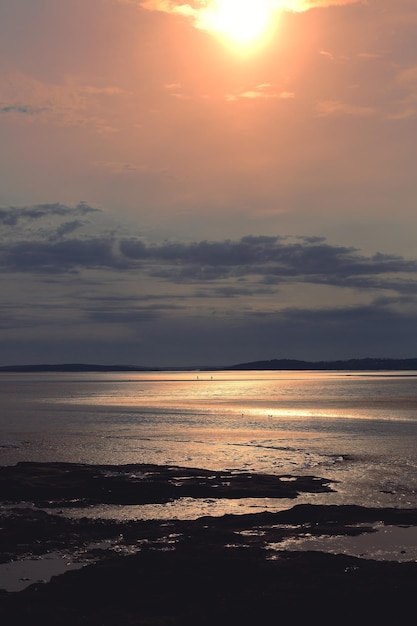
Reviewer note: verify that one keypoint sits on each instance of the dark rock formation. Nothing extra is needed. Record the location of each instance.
(205, 572)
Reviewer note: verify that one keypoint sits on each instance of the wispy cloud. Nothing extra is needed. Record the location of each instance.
(264, 91)
(198, 7)
(11, 216)
(329, 108)
(22, 109)
(69, 103)
(200, 12)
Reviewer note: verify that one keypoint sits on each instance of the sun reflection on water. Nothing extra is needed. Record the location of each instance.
(360, 429)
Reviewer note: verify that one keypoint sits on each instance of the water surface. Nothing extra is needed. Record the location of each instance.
(356, 428)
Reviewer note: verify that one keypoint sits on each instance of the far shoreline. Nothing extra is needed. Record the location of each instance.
(350, 365)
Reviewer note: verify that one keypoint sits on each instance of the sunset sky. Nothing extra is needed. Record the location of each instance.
(207, 183)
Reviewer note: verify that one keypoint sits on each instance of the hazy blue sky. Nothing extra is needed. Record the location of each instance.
(170, 196)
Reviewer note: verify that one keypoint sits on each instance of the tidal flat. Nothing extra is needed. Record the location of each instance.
(229, 569)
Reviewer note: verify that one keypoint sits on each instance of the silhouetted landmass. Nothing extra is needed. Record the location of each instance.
(75, 367)
(367, 364)
(349, 365)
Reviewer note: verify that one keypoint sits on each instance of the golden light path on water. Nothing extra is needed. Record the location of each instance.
(359, 429)
(356, 430)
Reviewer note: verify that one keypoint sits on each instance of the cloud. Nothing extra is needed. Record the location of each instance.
(140, 171)
(126, 316)
(203, 13)
(306, 5)
(56, 239)
(10, 216)
(68, 103)
(265, 256)
(405, 111)
(116, 167)
(74, 277)
(178, 340)
(333, 108)
(261, 92)
(67, 228)
(22, 109)
(200, 8)
(60, 256)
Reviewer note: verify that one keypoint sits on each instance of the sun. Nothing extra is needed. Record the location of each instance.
(242, 21)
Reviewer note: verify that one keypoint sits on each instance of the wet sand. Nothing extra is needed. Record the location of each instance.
(213, 570)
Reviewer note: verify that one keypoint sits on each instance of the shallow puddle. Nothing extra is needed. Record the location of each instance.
(180, 509)
(387, 543)
(17, 575)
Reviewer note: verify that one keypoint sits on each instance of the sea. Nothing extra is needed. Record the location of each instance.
(356, 429)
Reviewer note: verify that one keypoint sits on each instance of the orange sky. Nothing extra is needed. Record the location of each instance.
(175, 133)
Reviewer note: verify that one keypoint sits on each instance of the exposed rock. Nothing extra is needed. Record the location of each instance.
(213, 570)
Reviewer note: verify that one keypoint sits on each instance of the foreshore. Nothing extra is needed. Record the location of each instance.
(230, 570)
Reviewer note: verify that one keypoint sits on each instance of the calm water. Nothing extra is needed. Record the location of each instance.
(359, 429)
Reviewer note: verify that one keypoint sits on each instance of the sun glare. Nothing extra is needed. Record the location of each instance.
(242, 21)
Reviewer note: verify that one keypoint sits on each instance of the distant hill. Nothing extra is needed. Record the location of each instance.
(349, 365)
(75, 367)
(367, 364)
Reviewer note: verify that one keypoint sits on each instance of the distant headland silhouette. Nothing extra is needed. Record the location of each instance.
(364, 364)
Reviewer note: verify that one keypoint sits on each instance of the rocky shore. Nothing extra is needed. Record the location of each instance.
(212, 570)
